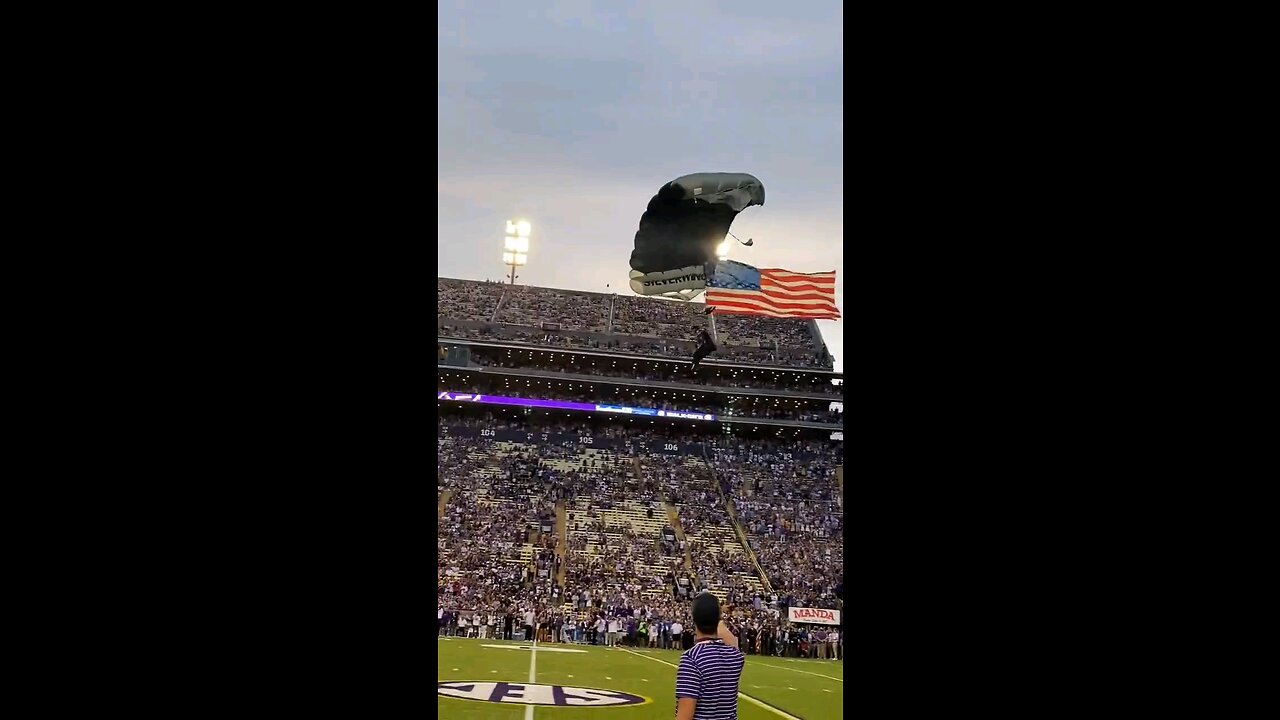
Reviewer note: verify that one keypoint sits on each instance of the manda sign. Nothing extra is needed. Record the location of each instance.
(821, 616)
(535, 694)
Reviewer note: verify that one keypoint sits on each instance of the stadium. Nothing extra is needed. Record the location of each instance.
(590, 482)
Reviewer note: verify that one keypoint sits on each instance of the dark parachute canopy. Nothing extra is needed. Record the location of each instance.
(681, 228)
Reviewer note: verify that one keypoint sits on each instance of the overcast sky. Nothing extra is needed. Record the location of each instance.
(572, 113)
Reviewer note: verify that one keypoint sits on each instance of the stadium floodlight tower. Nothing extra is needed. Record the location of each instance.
(516, 250)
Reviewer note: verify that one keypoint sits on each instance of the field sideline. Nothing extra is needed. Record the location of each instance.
(775, 688)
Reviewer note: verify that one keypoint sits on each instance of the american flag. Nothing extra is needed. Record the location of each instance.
(772, 292)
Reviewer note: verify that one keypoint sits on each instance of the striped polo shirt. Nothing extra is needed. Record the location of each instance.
(709, 671)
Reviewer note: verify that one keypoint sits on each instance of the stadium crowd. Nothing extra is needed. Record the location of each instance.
(673, 372)
(763, 331)
(657, 318)
(625, 565)
(478, 547)
(505, 572)
(620, 323)
(616, 620)
(532, 306)
(791, 517)
(467, 300)
(617, 428)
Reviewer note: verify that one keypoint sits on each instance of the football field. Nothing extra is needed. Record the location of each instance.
(505, 679)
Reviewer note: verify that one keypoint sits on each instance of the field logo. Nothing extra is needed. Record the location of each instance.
(535, 694)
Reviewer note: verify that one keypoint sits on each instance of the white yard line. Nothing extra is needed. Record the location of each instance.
(770, 708)
(533, 665)
(748, 698)
(806, 672)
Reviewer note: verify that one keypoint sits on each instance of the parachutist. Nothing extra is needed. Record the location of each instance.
(681, 229)
(705, 348)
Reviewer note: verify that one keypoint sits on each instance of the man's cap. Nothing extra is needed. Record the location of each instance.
(706, 611)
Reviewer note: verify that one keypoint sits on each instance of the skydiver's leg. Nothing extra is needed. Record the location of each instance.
(700, 353)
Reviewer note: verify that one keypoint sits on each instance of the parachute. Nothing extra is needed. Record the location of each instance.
(681, 228)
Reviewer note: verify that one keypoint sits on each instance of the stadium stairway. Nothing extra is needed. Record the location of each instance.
(673, 516)
(739, 533)
(444, 501)
(746, 549)
(840, 484)
(562, 539)
(498, 307)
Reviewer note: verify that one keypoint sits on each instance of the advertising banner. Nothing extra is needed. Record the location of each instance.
(822, 616)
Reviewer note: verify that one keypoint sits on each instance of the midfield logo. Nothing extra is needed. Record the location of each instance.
(536, 694)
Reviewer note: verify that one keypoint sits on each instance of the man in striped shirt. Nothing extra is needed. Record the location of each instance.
(707, 679)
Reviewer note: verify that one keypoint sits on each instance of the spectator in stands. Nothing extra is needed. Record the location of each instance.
(614, 628)
(498, 551)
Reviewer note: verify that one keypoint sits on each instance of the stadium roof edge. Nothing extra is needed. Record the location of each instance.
(648, 384)
(539, 287)
(515, 344)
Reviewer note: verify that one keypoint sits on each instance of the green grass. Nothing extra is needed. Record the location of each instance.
(807, 689)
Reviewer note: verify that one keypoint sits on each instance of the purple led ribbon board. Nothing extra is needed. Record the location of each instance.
(527, 402)
(566, 405)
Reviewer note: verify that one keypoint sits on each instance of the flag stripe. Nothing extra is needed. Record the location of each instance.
(766, 301)
(778, 293)
(796, 287)
(784, 280)
(728, 311)
(798, 312)
(794, 314)
(785, 293)
(787, 273)
(768, 282)
(796, 295)
(746, 304)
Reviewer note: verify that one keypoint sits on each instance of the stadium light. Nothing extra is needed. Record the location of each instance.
(516, 246)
